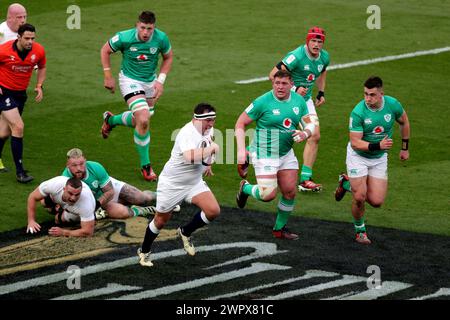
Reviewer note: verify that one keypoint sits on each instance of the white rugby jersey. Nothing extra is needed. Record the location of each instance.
(6, 34)
(84, 207)
(177, 171)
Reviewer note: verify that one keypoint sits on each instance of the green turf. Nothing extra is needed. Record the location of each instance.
(218, 42)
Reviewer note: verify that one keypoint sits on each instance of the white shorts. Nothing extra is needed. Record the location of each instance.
(311, 107)
(117, 186)
(128, 85)
(167, 196)
(272, 166)
(358, 166)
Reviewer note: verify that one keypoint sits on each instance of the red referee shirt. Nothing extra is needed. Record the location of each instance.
(15, 73)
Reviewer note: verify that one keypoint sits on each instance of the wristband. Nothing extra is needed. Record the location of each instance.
(320, 95)
(161, 78)
(405, 143)
(107, 72)
(374, 146)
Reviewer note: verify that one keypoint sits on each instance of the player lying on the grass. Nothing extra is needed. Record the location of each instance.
(182, 180)
(75, 202)
(277, 114)
(371, 127)
(119, 200)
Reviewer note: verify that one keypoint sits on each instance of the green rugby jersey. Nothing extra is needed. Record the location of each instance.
(140, 59)
(375, 124)
(96, 177)
(304, 68)
(275, 122)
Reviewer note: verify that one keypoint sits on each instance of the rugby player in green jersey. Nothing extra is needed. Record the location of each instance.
(308, 65)
(371, 127)
(140, 86)
(277, 114)
(119, 200)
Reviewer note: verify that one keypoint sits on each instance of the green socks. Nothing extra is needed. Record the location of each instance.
(306, 173)
(285, 207)
(142, 146)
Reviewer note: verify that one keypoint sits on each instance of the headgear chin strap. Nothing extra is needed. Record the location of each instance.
(205, 116)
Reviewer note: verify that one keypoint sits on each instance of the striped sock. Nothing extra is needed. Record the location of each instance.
(252, 190)
(143, 147)
(359, 225)
(122, 119)
(285, 207)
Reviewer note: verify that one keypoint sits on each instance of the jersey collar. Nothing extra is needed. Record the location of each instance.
(375, 110)
(310, 57)
(139, 40)
(287, 100)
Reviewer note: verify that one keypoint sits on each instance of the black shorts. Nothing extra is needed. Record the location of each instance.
(11, 99)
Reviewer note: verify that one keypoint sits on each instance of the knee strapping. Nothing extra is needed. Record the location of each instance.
(266, 188)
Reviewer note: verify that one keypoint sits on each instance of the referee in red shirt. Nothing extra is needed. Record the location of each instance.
(17, 60)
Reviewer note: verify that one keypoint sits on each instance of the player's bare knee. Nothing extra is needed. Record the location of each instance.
(376, 203)
(160, 220)
(17, 129)
(359, 198)
(212, 212)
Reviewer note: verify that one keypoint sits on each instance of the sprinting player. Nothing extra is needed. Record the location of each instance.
(277, 114)
(308, 66)
(181, 180)
(371, 128)
(139, 85)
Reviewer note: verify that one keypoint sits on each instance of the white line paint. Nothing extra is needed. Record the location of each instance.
(261, 247)
(222, 277)
(308, 275)
(387, 287)
(364, 62)
(439, 293)
(109, 289)
(320, 287)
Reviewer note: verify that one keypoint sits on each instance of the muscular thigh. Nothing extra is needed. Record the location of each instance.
(130, 195)
(376, 189)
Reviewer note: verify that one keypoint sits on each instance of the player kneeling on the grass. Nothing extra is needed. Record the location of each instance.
(277, 114)
(181, 180)
(371, 128)
(75, 201)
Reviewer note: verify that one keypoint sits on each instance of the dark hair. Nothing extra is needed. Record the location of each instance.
(74, 183)
(147, 17)
(204, 107)
(282, 74)
(26, 27)
(373, 82)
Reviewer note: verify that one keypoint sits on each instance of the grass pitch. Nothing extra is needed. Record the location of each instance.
(218, 42)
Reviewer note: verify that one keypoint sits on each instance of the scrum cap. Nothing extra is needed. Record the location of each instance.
(315, 33)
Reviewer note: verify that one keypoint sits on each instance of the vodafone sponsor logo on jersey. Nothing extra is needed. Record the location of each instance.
(287, 123)
(378, 130)
(311, 77)
(142, 57)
